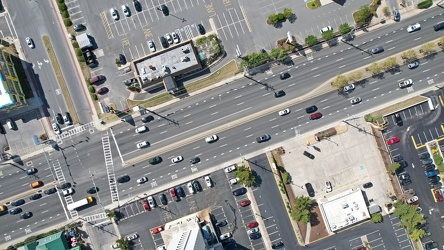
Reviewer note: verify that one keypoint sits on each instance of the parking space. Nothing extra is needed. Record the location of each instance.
(75, 11)
(401, 234)
(373, 239)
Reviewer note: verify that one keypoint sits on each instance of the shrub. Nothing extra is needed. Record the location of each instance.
(395, 166)
(327, 35)
(273, 19)
(75, 44)
(281, 16)
(339, 82)
(94, 96)
(80, 59)
(376, 218)
(78, 52)
(67, 22)
(344, 28)
(368, 118)
(312, 5)
(425, 4)
(287, 13)
(286, 177)
(311, 40)
(201, 40)
(363, 16)
(60, 1)
(62, 7)
(91, 89)
(386, 11)
(437, 159)
(65, 14)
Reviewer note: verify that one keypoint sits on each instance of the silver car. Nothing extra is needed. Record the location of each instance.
(413, 65)
(355, 100)
(349, 88)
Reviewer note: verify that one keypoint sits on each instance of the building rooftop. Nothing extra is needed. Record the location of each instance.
(5, 98)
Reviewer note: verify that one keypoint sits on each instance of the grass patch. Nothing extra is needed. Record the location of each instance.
(425, 4)
(59, 77)
(313, 4)
(398, 106)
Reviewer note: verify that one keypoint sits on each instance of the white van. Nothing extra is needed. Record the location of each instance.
(142, 144)
(141, 129)
(211, 139)
(10, 124)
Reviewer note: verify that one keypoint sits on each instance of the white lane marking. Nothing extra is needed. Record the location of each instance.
(247, 129)
(196, 147)
(275, 126)
(240, 103)
(212, 106)
(375, 89)
(340, 59)
(237, 96)
(214, 113)
(324, 100)
(188, 122)
(265, 94)
(249, 136)
(223, 145)
(273, 119)
(186, 115)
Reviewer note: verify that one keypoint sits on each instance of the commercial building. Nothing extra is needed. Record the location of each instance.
(11, 92)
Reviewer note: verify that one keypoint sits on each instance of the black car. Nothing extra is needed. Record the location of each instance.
(403, 164)
(92, 190)
(59, 118)
(309, 155)
(427, 161)
(279, 93)
(18, 202)
(195, 160)
(137, 5)
(197, 186)
(404, 176)
(163, 199)
(163, 41)
(255, 236)
(155, 160)
(65, 185)
(165, 10)
(79, 27)
(239, 191)
(50, 191)
(367, 185)
(405, 182)
(123, 179)
(398, 119)
(263, 138)
(429, 167)
(377, 50)
(26, 215)
(180, 192)
(277, 245)
(122, 59)
(310, 189)
(35, 197)
(430, 245)
(201, 29)
(15, 211)
(434, 179)
(31, 171)
(397, 158)
(284, 76)
(435, 185)
(147, 118)
(221, 223)
(311, 109)
(424, 156)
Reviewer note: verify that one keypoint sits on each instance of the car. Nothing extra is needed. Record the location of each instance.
(102, 90)
(377, 50)
(308, 155)
(92, 190)
(15, 211)
(230, 169)
(398, 119)
(311, 109)
(211, 139)
(142, 180)
(67, 118)
(114, 14)
(126, 10)
(255, 236)
(424, 156)
(172, 192)
(284, 112)
(156, 230)
(145, 205)
(122, 59)
(137, 5)
(233, 181)
(152, 201)
(26, 215)
(141, 129)
(429, 167)
(396, 15)
(50, 191)
(147, 119)
(252, 224)
(239, 191)
(177, 159)
(328, 187)
(18, 203)
(225, 236)
(123, 179)
(393, 140)
(430, 246)
(413, 65)
(416, 203)
(277, 245)
(56, 128)
(163, 199)
(35, 197)
(427, 161)
(201, 29)
(163, 41)
(65, 185)
(190, 188)
(279, 93)
(435, 185)
(315, 116)
(195, 160)
(397, 158)
(59, 118)
(79, 27)
(438, 195)
(142, 144)
(68, 191)
(284, 75)
(169, 38)
(434, 179)
(221, 223)
(197, 186)
(151, 46)
(175, 37)
(348, 88)
(438, 26)
(355, 100)
(413, 27)
(253, 230)
(244, 203)
(132, 237)
(208, 181)
(30, 42)
(412, 199)
(310, 189)
(263, 138)
(155, 160)
(180, 191)
(405, 83)
(31, 171)
(326, 29)
(164, 9)
(404, 176)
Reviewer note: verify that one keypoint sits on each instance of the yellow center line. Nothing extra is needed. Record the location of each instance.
(246, 18)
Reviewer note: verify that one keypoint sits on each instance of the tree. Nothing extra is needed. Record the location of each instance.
(376, 218)
(301, 215)
(389, 63)
(287, 13)
(122, 244)
(374, 68)
(409, 56)
(394, 167)
(311, 40)
(355, 76)
(110, 213)
(273, 19)
(339, 82)
(417, 234)
(245, 176)
(282, 55)
(286, 178)
(301, 211)
(328, 35)
(386, 11)
(281, 16)
(274, 53)
(344, 28)
(363, 16)
(441, 42)
(427, 48)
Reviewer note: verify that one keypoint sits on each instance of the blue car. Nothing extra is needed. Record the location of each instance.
(180, 192)
(239, 191)
(431, 174)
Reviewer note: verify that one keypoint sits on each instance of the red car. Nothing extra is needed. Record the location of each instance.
(244, 203)
(315, 116)
(393, 140)
(145, 205)
(438, 195)
(172, 192)
(102, 90)
(252, 224)
(156, 230)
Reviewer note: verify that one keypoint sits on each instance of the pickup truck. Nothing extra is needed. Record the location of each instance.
(431, 173)
(406, 83)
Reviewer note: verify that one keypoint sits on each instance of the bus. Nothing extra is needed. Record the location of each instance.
(80, 203)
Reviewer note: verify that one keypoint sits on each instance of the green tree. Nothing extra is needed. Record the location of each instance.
(301, 211)
(328, 35)
(344, 28)
(441, 42)
(427, 48)
(287, 13)
(282, 55)
(374, 68)
(389, 63)
(417, 234)
(409, 56)
(355, 76)
(273, 19)
(286, 178)
(363, 16)
(339, 82)
(311, 40)
(67, 22)
(274, 53)
(245, 176)
(122, 244)
(109, 213)
(376, 218)
(281, 16)
(394, 167)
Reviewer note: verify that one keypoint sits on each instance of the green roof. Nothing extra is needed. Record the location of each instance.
(53, 242)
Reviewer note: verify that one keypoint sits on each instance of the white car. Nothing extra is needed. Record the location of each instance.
(142, 144)
(190, 188)
(225, 236)
(253, 230)
(355, 100)
(177, 159)
(349, 88)
(230, 168)
(326, 29)
(405, 83)
(68, 191)
(141, 129)
(132, 237)
(175, 37)
(151, 46)
(114, 14)
(211, 139)
(284, 112)
(151, 201)
(169, 39)
(56, 128)
(142, 180)
(413, 199)
(413, 27)
(125, 10)
(328, 186)
(30, 42)
(208, 181)
(233, 181)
